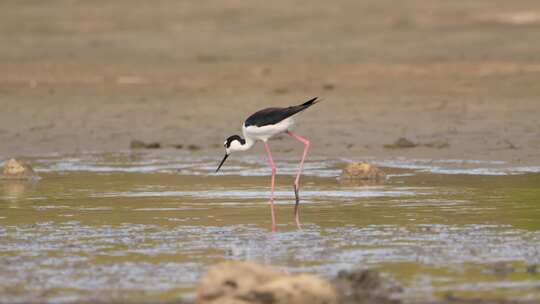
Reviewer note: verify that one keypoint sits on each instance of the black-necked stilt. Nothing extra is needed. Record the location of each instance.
(262, 125)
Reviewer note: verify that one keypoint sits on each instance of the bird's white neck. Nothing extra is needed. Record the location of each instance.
(238, 146)
(247, 145)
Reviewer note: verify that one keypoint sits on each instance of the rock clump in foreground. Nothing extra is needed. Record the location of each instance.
(365, 286)
(362, 171)
(235, 282)
(14, 169)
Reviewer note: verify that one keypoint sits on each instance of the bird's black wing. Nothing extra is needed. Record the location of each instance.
(271, 116)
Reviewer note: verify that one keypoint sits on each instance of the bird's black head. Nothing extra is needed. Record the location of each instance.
(231, 144)
(230, 139)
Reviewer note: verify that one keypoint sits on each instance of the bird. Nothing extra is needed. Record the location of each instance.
(263, 125)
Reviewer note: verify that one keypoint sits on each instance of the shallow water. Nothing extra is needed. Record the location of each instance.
(144, 226)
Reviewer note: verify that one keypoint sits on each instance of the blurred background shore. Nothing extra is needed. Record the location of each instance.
(457, 78)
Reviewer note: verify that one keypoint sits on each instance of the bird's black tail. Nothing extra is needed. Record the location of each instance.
(310, 102)
(299, 108)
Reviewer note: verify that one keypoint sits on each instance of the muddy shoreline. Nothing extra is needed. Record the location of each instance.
(458, 79)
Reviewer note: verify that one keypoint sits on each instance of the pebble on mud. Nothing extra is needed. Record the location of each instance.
(193, 147)
(280, 91)
(138, 144)
(235, 282)
(362, 171)
(328, 86)
(437, 144)
(400, 143)
(14, 169)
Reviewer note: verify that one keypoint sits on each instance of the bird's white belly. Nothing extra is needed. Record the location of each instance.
(265, 132)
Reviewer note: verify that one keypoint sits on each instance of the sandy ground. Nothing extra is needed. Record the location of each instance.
(94, 75)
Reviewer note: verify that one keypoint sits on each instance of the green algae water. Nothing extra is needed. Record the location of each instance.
(143, 227)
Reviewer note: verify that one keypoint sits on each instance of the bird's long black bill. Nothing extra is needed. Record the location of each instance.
(221, 164)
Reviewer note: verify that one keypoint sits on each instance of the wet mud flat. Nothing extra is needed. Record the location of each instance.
(135, 227)
(458, 78)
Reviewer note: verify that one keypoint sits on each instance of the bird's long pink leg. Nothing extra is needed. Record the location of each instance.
(297, 180)
(273, 184)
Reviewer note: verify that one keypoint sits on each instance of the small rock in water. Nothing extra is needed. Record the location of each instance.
(235, 282)
(14, 169)
(532, 269)
(138, 144)
(400, 143)
(362, 171)
(501, 268)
